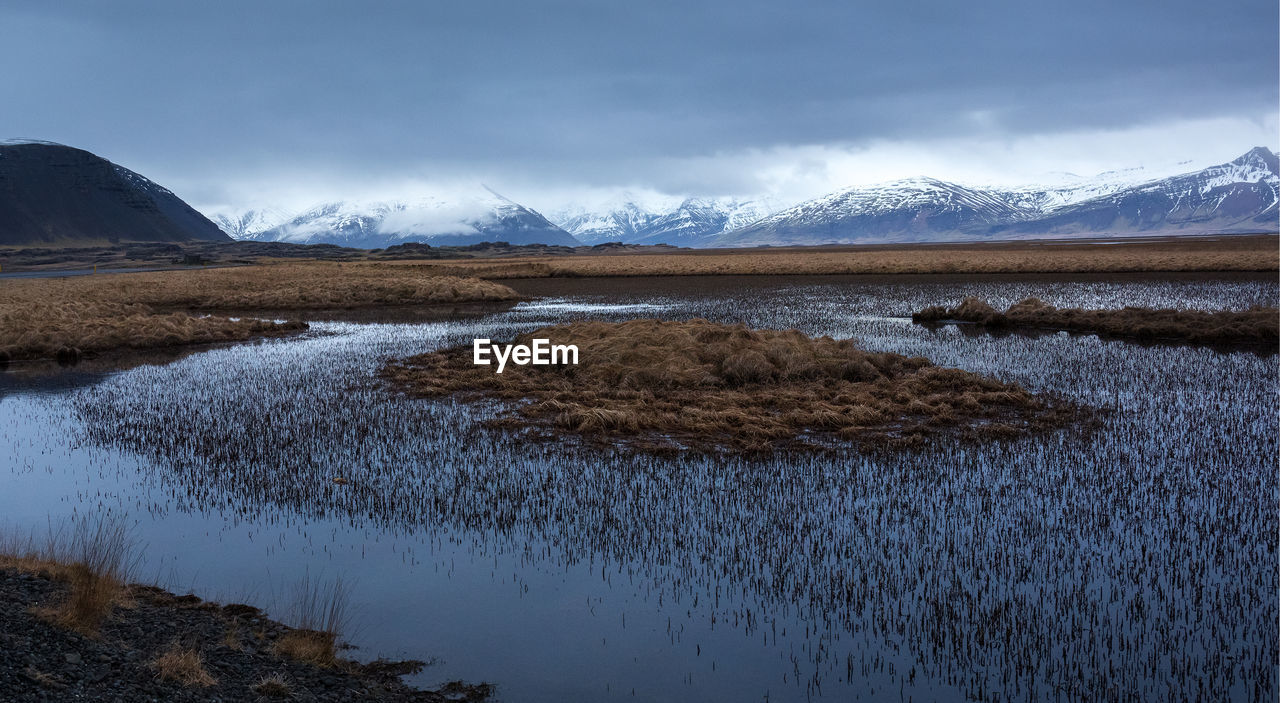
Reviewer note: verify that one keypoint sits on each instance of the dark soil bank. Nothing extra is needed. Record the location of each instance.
(45, 662)
(1257, 326)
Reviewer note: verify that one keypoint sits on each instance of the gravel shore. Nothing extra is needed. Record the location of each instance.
(45, 662)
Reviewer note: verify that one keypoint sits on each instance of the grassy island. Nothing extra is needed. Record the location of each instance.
(1257, 326)
(702, 385)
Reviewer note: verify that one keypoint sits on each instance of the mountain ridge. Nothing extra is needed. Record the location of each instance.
(1236, 196)
(1241, 195)
(478, 217)
(56, 194)
(690, 221)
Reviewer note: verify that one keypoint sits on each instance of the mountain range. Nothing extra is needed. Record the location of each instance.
(690, 222)
(57, 195)
(1239, 196)
(51, 194)
(479, 216)
(244, 224)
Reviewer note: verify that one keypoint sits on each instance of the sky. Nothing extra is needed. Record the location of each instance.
(289, 103)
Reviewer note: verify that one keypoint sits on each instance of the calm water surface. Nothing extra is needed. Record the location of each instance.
(1134, 562)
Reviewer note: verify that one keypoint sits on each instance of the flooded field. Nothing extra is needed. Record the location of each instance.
(1136, 561)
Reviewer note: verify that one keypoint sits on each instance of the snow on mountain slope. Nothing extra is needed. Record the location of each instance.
(680, 222)
(616, 219)
(698, 221)
(1061, 189)
(243, 224)
(1238, 196)
(904, 210)
(479, 216)
(1242, 195)
(55, 194)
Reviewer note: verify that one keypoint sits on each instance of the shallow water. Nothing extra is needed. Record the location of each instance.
(1136, 561)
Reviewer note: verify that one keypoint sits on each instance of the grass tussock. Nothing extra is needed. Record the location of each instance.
(704, 385)
(1258, 326)
(273, 686)
(310, 646)
(320, 611)
(94, 556)
(183, 665)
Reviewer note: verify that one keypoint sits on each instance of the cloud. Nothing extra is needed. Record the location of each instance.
(219, 99)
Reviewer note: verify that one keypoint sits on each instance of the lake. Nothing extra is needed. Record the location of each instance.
(1136, 559)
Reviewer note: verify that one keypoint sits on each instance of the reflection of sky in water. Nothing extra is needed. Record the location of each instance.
(573, 306)
(1060, 565)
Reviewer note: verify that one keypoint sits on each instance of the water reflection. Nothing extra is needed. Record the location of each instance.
(1134, 562)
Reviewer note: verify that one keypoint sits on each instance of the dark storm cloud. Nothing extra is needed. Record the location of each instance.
(584, 89)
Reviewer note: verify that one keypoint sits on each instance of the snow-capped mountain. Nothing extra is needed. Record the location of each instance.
(480, 216)
(905, 210)
(1239, 196)
(243, 224)
(1068, 188)
(617, 219)
(680, 222)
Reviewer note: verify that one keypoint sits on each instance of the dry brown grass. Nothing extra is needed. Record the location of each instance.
(293, 286)
(183, 665)
(704, 385)
(319, 611)
(1258, 326)
(63, 317)
(1234, 253)
(40, 329)
(94, 556)
(231, 637)
(310, 646)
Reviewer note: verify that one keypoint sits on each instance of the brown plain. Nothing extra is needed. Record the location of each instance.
(1171, 254)
(47, 317)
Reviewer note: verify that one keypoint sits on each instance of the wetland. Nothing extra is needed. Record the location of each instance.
(1132, 559)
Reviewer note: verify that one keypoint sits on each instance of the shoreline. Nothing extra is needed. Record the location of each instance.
(237, 647)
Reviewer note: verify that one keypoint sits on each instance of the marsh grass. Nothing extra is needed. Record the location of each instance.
(64, 317)
(1257, 326)
(703, 385)
(319, 611)
(94, 556)
(285, 286)
(66, 330)
(183, 665)
(1228, 253)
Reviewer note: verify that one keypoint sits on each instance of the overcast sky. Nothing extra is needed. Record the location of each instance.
(262, 102)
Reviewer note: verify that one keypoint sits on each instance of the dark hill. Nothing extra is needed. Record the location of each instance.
(58, 195)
